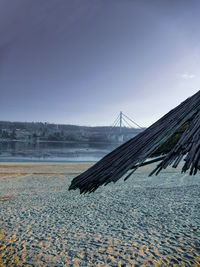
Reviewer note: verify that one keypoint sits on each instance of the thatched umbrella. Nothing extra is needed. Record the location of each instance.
(175, 135)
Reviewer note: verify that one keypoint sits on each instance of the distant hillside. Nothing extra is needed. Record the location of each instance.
(39, 131)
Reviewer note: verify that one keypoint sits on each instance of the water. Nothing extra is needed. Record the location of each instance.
(53, 151)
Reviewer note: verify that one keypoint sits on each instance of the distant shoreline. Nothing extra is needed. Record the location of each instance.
(60, 141)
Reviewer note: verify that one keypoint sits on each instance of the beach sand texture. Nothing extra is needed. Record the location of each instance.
(145, 221)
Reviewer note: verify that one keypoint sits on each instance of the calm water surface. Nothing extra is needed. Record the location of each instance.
(53, 151)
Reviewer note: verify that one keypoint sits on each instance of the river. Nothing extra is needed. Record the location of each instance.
(53, 151)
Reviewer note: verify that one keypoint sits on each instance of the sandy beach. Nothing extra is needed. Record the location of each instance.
(145, 221)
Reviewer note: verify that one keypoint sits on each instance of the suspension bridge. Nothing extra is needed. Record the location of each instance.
(124, 127)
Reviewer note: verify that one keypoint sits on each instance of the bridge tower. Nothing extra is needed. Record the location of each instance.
(121, 122)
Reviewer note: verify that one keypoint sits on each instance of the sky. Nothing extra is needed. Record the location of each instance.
(83, 61)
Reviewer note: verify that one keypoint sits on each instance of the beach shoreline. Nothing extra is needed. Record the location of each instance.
(145, 220)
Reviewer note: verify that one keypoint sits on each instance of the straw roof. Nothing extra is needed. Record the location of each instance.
(169, 139)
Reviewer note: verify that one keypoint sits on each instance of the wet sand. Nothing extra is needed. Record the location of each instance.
(145, 221)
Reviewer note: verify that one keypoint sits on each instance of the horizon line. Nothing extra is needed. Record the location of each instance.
(80, 125)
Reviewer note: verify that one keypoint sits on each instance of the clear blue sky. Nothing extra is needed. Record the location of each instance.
(82, 61)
